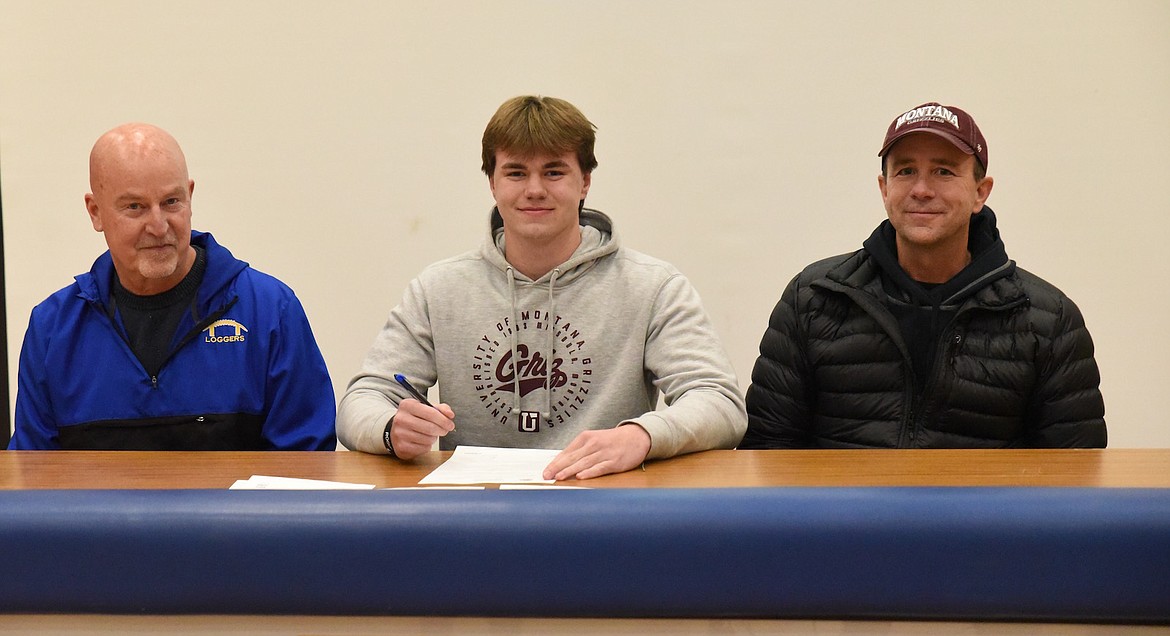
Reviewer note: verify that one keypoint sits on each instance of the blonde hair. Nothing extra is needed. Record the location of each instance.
(530, 125)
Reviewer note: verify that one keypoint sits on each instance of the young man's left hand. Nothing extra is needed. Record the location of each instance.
(596, 453)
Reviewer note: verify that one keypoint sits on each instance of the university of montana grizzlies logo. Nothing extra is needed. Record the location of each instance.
(561, 362)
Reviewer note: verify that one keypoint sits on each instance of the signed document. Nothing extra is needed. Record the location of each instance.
(487, 465)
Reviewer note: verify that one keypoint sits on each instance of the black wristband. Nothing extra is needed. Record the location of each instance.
(386, 437)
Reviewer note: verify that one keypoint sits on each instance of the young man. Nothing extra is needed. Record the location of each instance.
(929, 336)
(169, 342)
(552, 335)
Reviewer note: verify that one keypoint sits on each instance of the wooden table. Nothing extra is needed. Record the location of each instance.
(1108, 468)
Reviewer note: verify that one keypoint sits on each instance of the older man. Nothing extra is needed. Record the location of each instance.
(169, 342)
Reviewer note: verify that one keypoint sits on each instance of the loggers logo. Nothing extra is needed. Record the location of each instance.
(233, 332)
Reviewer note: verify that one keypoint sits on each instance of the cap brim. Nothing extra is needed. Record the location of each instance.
(955, 141)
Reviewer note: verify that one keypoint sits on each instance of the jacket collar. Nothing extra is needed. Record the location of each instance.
(222, 268)
(994, 285)
(988, 259)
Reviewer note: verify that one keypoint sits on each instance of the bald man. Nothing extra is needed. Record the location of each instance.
(169, 342)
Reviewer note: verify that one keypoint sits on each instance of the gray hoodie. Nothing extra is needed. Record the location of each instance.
(531, 364)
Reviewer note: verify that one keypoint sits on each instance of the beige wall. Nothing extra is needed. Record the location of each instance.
(336, 144)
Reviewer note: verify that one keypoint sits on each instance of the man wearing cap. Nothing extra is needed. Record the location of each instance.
(928, 336)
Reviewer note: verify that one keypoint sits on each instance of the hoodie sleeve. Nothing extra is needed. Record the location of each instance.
(688, 364)
(404, 345)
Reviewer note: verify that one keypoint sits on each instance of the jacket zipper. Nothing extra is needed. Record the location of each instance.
(912, 419)
(886, 321)
(203, 324)
(947, 346)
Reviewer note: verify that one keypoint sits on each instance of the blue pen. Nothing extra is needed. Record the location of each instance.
(401, 379)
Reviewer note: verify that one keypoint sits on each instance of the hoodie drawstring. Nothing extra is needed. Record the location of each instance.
(515, 336)
(552, 344)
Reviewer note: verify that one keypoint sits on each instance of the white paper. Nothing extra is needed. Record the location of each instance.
(540, 487)
(436, 488)
(265, 482)
(488, 465)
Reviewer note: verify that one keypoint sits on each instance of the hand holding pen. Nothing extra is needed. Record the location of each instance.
(418, 424)
(401, 379)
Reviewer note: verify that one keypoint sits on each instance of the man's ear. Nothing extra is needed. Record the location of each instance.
(91, 207)
(982, 191)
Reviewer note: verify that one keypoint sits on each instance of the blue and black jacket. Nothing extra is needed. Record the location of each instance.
(244, 371)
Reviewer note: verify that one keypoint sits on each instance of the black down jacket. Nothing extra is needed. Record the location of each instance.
(1015, 368)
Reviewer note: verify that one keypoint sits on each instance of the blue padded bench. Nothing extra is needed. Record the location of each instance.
(937, 553)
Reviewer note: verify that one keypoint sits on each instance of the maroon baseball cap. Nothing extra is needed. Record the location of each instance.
(949, 122)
